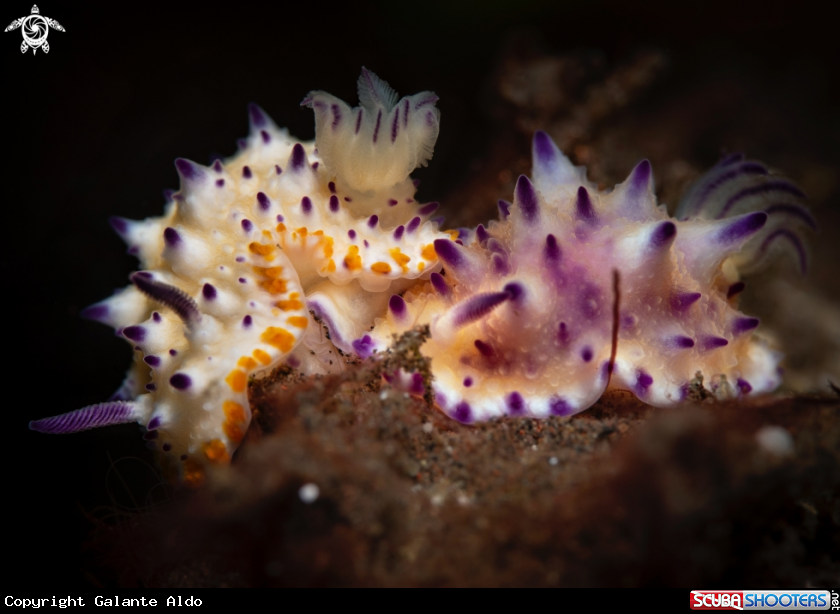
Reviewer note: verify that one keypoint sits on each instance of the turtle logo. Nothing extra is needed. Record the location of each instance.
(35, 28)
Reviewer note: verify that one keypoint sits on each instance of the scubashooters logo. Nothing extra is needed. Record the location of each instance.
(35, 28)
(799, 600)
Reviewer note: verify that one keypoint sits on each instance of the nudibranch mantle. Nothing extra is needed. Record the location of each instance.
(522, 322)
(246, 249)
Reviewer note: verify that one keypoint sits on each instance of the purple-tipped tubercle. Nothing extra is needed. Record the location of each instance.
(526, 199)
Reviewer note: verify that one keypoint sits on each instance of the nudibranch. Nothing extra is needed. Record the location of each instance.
(248, 250)
(575, 290)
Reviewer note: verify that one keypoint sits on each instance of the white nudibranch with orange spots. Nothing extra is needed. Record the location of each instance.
(576, 290)
(246, 249)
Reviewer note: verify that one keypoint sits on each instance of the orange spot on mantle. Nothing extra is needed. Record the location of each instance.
(382, 268)
(280, 338)
(237, 380)
(216, 452)
(352, 260)
(299, 321)
(263, 357)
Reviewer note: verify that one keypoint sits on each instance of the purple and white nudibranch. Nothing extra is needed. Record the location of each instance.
(572, 291)
(576, 290)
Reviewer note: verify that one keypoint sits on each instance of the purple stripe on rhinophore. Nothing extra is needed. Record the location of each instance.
(398, 307)
(526, 197)
(334, 203)
(682, 342)
(247, 226)
(134, 333)
(481, 233)
(97, 312)
(745, 169)
(395, 127)
(373, 220)
(174, 298)
(217, 166)
(405, 116)
(258, 118)
(784, 233)
(413, 224)
(180, 381)
(297, 161)
(552, 251)
(336, 111)
(359, 120)
(189, 171)
(449, 252)
(780, 185)
(93, 416)
(730, 159)
(477, 307)
(680, 301)
(711, 343)
(398, 232)
(741, 228)
(545, 154)
(462, 413)
(559, 407)
(735, 288)
(428, 209)
(246, 172)
(515, 404)
(376, 129)
(306, 205)
(485, 349)
(742, 325)
(663, 235)
(583, 206)
(428, 100)
(364, 347)
(119, 224)
(208, 292)
(504, 209)
(266, 137)
(263, 201)
(439, 284)
(797, 211)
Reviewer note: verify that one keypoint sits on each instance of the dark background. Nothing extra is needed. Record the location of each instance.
(92, 128)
